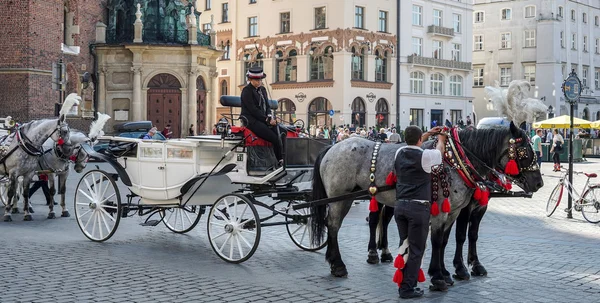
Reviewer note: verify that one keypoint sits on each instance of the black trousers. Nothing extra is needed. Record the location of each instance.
(44, 185)
(556, 158)
(269, 133)
(413, 223)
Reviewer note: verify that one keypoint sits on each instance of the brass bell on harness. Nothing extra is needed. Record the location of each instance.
(372, 177)
(373, 190)
(511, 141)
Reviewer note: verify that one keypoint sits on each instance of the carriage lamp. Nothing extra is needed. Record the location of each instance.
(223, 127)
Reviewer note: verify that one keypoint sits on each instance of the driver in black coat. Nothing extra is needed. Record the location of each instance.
(257, 112)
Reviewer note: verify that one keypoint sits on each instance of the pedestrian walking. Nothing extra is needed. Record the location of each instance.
(413, 194)
(394, 137)
(536, 141)
(557, 148)
(191, 130)
(167, 133)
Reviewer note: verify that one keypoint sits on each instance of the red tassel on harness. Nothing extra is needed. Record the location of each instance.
(508, 186)
(398, 277)
(435, 209)
(421, 276)
(60, 141)
(373, 205)
(511, 168)
(477, 193)
(399, 262)
(73, 158)
(485, 196)
(391, 178)
(446, 206)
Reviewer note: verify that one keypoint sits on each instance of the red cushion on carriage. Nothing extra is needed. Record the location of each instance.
(254, 140)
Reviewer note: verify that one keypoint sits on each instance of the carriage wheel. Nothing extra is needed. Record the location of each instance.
(299, 229)
(233, 228)
(97, 205)
(181, 219)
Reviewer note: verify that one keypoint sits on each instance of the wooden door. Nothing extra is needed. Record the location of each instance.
(164, 103)
(201, 106)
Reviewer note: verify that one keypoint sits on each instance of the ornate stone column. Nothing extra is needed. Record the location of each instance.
(192, 105)
(212, 100)
(102, 91)
(136, 104)
(137, 26)
(192, 29)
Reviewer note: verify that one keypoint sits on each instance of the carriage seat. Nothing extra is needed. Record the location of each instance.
(236, 101)
(252, 139)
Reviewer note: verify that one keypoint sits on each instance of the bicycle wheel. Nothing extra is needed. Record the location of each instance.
(554, 199)
(590, 204)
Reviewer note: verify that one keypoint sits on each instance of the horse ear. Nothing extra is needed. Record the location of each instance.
(61, 119)
(514, 130)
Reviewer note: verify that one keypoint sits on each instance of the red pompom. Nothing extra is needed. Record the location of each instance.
(508, 186)
(60, 141)
(485, 196)
(398, 277)
(446, 206)
(399, 262)
(373, 205)
(73, 158)
(421, 278)
(435, 209)
(477, 193)
(511, 168)
(391, 178)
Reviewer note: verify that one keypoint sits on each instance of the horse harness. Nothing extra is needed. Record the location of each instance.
(24, 143)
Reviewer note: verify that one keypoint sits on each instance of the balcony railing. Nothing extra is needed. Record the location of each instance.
(151, 36)
(450, 64)
(440, 30)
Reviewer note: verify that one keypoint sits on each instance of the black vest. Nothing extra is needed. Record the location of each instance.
(413, 182)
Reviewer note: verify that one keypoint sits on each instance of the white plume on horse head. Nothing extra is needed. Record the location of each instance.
(71, 100)
(97, 126)
(515, 103)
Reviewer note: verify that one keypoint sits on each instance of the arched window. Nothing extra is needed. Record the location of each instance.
(586, 114)
(358, 64)
(381, 66)
(597, 115)
(285, 67)
(383, 113)
(226, 47)
(321, 64)
(287, 110)
(250, 61)
(417, 80)
(318, 112)
(224, 88)
(359, 112)
(437, 84)
(456, 85)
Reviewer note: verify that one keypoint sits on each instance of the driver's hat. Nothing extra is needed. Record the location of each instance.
(256, 72)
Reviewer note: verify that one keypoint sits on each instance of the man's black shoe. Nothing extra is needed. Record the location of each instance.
(414, 293)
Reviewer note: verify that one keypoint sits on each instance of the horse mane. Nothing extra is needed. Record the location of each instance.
(486, 144)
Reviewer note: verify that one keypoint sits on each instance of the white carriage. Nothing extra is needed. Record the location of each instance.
(181, 179)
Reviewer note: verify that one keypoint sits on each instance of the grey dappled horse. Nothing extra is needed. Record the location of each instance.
(345, 167)
(21, 158)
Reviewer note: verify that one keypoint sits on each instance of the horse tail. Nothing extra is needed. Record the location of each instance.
(319, 212)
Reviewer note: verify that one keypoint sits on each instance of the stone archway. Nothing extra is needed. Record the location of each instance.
(164, 103)
(201, 105)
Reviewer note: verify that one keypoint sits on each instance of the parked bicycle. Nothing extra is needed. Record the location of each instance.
(588, 203)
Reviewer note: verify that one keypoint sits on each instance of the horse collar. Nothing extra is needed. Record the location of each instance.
(27, 145)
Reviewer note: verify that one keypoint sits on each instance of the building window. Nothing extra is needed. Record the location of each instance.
(584, 76)
(456, 116)
(321, 64)
(286, 110)
(285, 22)
(359, 112)
(417, 15)
(529, 73)
(561, 11)
(382, 112)
(206, 28)
(530, 38)
(224, 88)
(320, 17)
(381, 66)
(597, 46)
(573, 41)
(417, 44)
(562, 39)
(478, 42)
(585, 49)
(478, 17)
(227, 48)
(318, 112)
(505, 40)
(358, 64)
(250, 62)
(456, 22)
(383, 21)
(529, 11)
(252, 1)
(597, 79)
(208, 4)
(584, 18)
(573, 15)
(252, 26)
(286, 66)
(506, 14)
(437, 49)
(359, 17)
(437, 17)
(456, 85)
(416, 117)
(225, 14)
(505, 76)
(596, 21)
(437, 84)
(478, 76)
(456, 51)
(417, 80)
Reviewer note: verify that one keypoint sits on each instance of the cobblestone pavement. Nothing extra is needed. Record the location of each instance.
(530, 258)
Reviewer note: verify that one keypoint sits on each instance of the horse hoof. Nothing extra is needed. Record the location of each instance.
(339, 272)
(27, 218)
(14, 211)
(448, 280)
(65, 214)
(31, 210)
(478, 270)
(373, 259)
(7, 219)
(438, 285)
(387, 258)
(462, 274)
(51, 216)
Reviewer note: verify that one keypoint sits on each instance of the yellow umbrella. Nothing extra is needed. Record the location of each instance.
(596, 124)
(563, 121)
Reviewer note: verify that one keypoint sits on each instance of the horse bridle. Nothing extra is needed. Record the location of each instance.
(30, 148)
